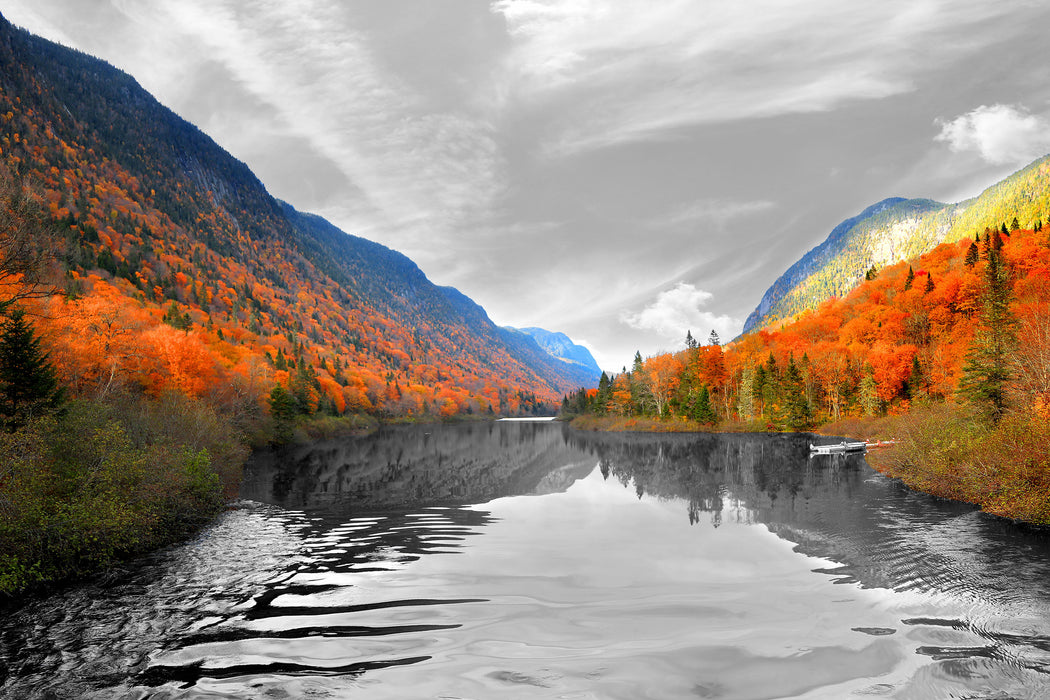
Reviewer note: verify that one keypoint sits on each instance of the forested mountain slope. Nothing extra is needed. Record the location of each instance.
(897, 229)
(181, 271)
(561, 346)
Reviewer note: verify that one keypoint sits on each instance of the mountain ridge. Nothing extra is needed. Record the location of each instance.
(562, 347)
(897, 229)
(149, 210)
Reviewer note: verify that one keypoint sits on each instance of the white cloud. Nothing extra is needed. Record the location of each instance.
(1000, 134)
(632, 70)
(714, 212)
(678, 310)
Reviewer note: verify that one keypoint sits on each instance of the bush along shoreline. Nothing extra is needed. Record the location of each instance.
(97, 483)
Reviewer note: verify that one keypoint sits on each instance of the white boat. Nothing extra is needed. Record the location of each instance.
(838, 447)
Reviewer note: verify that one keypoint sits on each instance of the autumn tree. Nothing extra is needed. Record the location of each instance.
(661, 376)
(26, 245)
(745, 405)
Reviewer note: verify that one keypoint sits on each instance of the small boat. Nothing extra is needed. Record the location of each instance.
(837, 448)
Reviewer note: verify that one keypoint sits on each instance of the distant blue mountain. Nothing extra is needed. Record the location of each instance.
(561, 346)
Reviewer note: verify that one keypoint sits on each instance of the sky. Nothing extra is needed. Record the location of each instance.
(621, 171)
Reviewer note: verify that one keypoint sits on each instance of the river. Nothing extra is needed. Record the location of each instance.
(527, 560)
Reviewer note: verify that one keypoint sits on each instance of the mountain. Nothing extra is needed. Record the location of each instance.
(157, 227)
(898, 229)
(561, 346)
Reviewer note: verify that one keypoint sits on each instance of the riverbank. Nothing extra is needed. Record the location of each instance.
(646, 424)
(946, 451)
(942, 450)
(107, 481)
(104, 481)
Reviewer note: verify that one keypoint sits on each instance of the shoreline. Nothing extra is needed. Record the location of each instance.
(911, 465)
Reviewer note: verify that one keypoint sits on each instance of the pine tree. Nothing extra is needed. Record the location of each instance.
(797, 414)
(601, 399)
(972, 253)
(713, 339)
(916, 381)
(703, 413)
(909, 279)
(986, 372)
(929, 283)
(283, 410)
(1015, 224)
(28, 383)
(690, 341)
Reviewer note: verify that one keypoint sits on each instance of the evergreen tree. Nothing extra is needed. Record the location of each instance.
(929, 283)
(601, 399)
(703, 413)
(972, 253)
(871, 274)
(909, 279)
(173, 318)
(283, 409)
(796, 408)
(690, 341)
(916, 380)
(28, 383)
(986, 372)
(1015, 224)
(771, 395)
(713, 339)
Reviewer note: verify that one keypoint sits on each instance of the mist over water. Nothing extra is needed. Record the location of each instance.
(529, 560)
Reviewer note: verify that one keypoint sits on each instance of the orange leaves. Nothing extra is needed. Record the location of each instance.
(177, 360)
(891, 365)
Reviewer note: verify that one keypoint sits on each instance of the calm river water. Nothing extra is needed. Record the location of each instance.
(526, 560)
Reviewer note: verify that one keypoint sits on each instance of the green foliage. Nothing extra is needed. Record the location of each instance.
(987, 371)
(950, 452)
(701, 410)
(175, 319)
(283, 409)
(972, 254)
(797, 413)
(746, 395)
(28, 383)
(102, 482)
(868, 396)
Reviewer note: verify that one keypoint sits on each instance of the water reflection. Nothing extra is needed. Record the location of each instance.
(412, 465)
(529, 560)
(877, 533)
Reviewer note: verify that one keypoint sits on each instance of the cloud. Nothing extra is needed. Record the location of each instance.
(678, 310)
(1000, 134)
(714, 212)
(625, 71)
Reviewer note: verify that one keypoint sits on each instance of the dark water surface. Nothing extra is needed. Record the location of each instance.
(525, 560)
